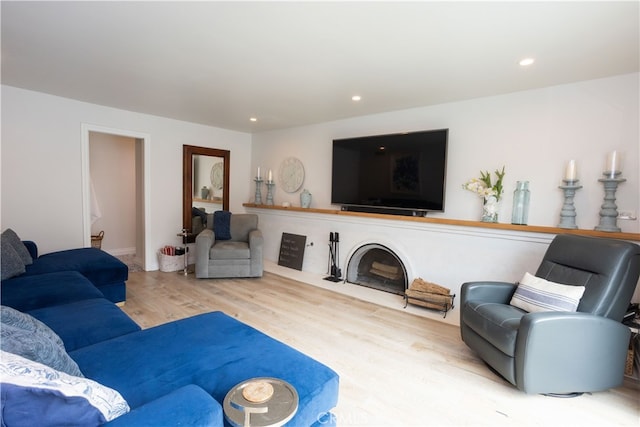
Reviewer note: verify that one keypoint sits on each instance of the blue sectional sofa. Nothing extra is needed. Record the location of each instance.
(174, 374)
(105, 271)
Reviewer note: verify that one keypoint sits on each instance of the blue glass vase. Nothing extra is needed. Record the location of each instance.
(521, 195)
(305, 198)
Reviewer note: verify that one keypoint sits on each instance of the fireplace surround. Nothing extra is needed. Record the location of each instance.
(376, 266)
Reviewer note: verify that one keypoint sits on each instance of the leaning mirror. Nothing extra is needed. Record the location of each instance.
(205, 184)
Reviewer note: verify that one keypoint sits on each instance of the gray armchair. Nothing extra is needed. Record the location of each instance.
(558, 352)
(241, 256)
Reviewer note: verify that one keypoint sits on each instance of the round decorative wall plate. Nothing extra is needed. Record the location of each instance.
(217, 175)
(291, 174)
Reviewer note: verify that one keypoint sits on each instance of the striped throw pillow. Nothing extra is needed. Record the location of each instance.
(534, 294)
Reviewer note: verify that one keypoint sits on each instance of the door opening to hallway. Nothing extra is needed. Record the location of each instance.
(116, 191)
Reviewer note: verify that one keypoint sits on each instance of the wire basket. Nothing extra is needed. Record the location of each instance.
(96, 241)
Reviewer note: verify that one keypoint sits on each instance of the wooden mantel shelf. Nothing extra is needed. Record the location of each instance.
(457, 222)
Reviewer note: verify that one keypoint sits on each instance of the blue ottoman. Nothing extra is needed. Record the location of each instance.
(213, 351)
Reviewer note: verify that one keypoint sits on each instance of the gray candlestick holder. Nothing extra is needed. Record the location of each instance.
(609, 209)
(258, 198)
(568, 212)
(270, 185)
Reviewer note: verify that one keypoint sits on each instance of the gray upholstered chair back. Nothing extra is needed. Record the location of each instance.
(607, 268)
(241, 225)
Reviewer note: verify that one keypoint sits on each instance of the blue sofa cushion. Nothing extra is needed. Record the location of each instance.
(86, 322)
(17, 244)
(222, 225)
(96, 265)
(36, 395)
(206, 350)
(26, 293)
(23, 335)
(187, 406)
(10, 263)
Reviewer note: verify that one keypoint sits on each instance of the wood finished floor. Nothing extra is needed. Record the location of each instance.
(396, 369)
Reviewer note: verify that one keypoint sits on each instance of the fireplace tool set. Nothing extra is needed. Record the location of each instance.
(333, 269)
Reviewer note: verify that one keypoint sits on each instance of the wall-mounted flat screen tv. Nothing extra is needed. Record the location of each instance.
(402, 173)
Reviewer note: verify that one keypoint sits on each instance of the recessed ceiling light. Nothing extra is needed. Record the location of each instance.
(356, 98)
(526, 62)
(253, 119)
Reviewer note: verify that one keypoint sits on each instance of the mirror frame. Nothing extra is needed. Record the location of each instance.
(188, 151)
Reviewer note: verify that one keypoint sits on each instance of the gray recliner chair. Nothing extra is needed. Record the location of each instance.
(240, 256)
(558, 352)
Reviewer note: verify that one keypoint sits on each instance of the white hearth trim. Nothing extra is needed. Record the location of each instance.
(404, 259)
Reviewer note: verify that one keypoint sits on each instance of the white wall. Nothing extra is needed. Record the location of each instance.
(533, 134)
(41, 167)
(112, 161)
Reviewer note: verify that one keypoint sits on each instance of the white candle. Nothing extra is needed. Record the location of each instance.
(258, 172)
(613, 163)
(570, 172)
(270, 176)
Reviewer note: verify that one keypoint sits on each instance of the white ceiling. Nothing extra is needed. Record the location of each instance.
(298, 63)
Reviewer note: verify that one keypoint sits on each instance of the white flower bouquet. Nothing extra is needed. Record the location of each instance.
(484, 186)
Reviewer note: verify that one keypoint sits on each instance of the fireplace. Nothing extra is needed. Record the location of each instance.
(378, 267)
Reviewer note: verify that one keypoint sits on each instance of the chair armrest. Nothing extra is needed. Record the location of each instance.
(562, 352)
(187, 406)
(255, 238)
(497, 292)
(256, 244)
(204, 241)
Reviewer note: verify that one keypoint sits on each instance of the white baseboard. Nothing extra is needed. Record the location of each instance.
(121, 251)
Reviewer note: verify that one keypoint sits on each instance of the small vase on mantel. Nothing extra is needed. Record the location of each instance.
(490, 209)
(305, 198)
(204, 192)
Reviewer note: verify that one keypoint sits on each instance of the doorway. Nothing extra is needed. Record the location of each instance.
(119, 162)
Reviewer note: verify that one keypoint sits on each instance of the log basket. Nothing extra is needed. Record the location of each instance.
(429, 295)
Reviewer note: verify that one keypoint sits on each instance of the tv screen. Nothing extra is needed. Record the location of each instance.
(401, 173)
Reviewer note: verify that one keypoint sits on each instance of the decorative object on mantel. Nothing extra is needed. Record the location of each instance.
(291, 174)
(258, 181)
(270, 185)
(305, 198)
(568, 212)
(217, 177)
(490, 207)
(204, 193)
(521, 196)
(609, 209)
(489, 191)
(429, 295)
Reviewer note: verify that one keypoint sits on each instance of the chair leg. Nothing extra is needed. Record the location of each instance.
(563, 395)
